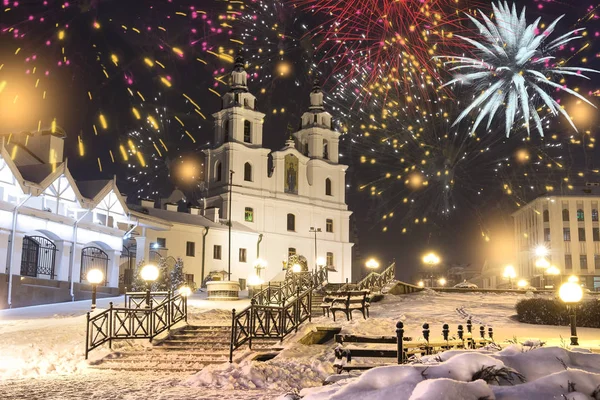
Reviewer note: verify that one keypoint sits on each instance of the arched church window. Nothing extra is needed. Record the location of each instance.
(291, 222)
(248, 172)
(218, 171)
(325, 149)
(328, 187)
(227, 127)
(247, 132)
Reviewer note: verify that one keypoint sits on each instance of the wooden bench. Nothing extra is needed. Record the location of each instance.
(405, 346)
(346, 302)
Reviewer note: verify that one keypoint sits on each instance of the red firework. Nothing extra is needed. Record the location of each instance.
(391, 41)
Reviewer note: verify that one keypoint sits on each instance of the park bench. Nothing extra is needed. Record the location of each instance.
(405, 347)
(346, 302)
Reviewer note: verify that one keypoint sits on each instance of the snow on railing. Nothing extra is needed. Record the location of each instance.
(134, 322)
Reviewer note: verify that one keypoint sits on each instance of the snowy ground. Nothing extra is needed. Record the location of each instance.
(42, 349)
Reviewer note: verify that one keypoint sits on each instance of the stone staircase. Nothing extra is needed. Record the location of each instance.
(188, 349)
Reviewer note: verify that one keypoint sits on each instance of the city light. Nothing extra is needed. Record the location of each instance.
(431, 259)
(522, 283)
(442, 281)
(421, 283)
(296, 268)
(372, 263)
(541, 251)
(185, 291)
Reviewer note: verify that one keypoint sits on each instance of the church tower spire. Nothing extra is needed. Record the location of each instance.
(238, 121)
(316, 137)
(239, 76)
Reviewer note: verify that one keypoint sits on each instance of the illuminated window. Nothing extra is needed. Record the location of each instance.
(249, 214)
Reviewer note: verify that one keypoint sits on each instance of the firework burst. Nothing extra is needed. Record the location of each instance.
(516, 66)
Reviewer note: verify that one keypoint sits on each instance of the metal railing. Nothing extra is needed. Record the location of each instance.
(276, 311)
(138, 299)
(134, 323)
(378, 280)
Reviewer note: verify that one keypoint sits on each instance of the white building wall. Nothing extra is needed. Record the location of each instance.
(529, 233)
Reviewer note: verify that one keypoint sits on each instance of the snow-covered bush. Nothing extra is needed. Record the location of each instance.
(554, 312)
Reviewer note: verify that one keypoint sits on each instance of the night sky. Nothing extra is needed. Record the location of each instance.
(292, 45)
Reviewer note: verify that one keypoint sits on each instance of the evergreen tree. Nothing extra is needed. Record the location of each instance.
(138, 284)
(177, 275)
(163, 282)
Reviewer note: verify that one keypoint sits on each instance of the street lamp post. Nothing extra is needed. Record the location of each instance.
(571, 293)
(315, 231)
(149, 274)
(510, 274)
(94, 276)
(442, 282)
(231, 172)
(432, 260)
(553, 271)
(544, 265)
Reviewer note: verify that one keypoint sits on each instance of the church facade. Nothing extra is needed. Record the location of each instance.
(290, 196)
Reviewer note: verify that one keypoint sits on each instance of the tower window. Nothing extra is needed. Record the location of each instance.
(218, 172)
(242, 257)
(227, 127)
(328, 187)
(190, 249)
(581, 234)
(248, 172)
(330, 259)
(546, 216)
(291, 222)
(580, 215)
(565, 215)
(249, 214)
(329, 225)
(247, 132)
(594, 214)
(325, 149)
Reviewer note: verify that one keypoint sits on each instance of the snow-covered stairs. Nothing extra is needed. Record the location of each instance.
(316, 310)
(188, 349)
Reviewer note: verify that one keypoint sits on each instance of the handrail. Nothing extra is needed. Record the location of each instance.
(379, 280)
(276, 311)
(133, 323)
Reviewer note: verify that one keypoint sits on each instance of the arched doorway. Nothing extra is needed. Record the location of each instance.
(38, 258)
(93, 258)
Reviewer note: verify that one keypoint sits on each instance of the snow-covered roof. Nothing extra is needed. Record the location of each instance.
(174, 217)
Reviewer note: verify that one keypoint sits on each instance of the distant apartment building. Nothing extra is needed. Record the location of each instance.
(568, 227)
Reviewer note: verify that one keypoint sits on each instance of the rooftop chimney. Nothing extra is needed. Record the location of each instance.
(212, 214)
(194, 210)
(147, 203)
(171, 207)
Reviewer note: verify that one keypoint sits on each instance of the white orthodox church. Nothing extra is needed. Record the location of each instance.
(53, 229)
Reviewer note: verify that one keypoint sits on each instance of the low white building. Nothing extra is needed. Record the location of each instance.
(52, 229)
(567, 227)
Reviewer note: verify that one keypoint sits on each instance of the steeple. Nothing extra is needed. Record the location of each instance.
(316, 137)
(316, 98)
(239, 76)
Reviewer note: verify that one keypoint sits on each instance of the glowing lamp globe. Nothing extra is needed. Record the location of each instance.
(570, 292)
(421, 284)
(94, 276)
(553, 270)
(542, 263)
(254, 280)
(509, 272)
(522, 283)
(372, 264)
(573, 279)
(185, 291)
(149, 273)
(442, 281)
(541, 251)
(321, 261)
(296, 268)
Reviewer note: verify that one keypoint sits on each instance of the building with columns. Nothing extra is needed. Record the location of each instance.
(281, 195)
(567, 227)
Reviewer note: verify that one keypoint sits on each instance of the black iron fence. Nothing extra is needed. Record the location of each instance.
(38, 257)
(135, 322)
(276, 311)
(93, 258)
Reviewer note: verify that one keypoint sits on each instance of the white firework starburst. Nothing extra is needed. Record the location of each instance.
(515, 68)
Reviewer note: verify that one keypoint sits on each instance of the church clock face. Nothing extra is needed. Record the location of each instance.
(291, 174)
